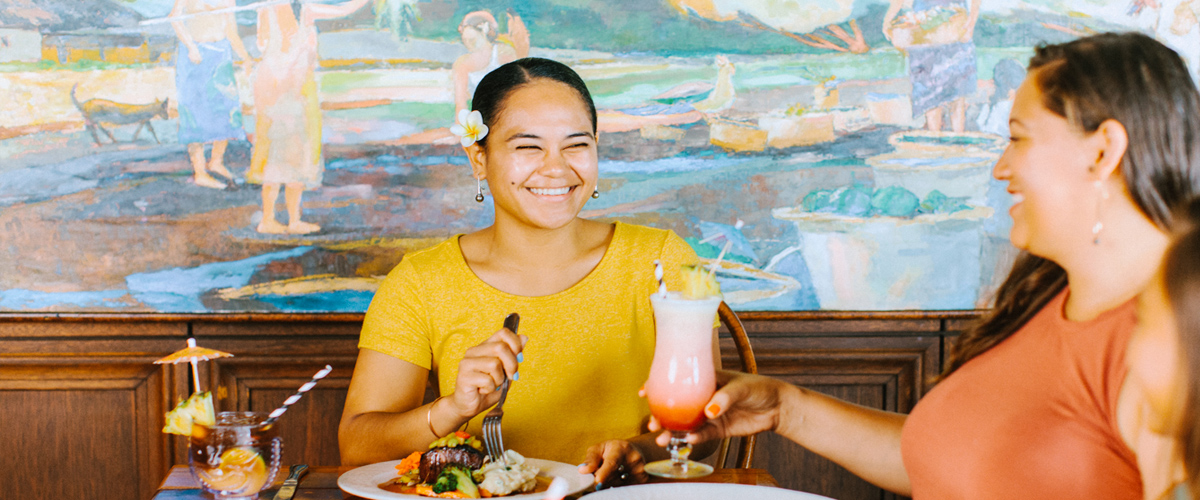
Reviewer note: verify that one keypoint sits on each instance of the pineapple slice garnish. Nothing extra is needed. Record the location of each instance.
(196, 409)
(698, 283)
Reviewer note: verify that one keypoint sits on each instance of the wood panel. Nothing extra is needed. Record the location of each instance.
(90, 403)
(91, 431)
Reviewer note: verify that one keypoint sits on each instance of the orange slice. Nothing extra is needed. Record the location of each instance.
(241, 470)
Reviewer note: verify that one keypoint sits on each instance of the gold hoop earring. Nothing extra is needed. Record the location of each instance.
(1099, 226)
(595, 193)
(479, 190)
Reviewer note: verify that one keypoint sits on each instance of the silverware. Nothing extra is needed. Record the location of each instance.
(492, 438)
(289, 485)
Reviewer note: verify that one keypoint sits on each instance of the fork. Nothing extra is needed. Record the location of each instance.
(492, 438)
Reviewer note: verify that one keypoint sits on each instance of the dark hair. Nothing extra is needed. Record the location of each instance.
(1006, 77)
(495, 87)
(1181, 282)
(1139, 82)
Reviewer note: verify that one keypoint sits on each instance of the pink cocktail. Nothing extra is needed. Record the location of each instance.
(682, 379)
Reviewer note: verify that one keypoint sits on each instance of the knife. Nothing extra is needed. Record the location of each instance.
(289, 485)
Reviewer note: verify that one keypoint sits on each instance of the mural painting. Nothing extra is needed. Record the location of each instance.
(838, 151)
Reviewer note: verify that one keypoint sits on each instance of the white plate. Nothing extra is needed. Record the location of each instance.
(700, 491)
(364, 481)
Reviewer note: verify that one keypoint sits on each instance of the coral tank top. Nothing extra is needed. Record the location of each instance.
(1033, 417)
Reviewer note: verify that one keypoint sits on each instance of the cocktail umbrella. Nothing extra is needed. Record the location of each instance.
(192, 354)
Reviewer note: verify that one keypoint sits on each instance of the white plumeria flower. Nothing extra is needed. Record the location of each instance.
(470, 127)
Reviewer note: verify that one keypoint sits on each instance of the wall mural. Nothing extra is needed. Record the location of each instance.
(184, 156)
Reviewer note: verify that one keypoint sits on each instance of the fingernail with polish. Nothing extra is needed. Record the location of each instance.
(713, 409)
(520, 357)
(516, 375)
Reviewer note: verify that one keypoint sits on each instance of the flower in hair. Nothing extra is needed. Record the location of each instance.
(470, 127)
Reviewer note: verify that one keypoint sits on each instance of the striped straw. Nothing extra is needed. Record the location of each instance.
(296, 397)
(658, 275)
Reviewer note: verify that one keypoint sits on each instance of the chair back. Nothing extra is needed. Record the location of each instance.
(746, 354)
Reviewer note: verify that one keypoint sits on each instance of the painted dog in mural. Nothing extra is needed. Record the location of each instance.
(100, 112)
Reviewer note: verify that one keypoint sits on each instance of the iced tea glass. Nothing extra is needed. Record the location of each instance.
(237, 457)
(682, 379)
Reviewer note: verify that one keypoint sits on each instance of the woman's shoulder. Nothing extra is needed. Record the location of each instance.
(637, 240)
(431, 259)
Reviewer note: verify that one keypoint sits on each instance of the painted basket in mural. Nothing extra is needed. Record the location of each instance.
(941, 142)
(925, 262)
(956, 173)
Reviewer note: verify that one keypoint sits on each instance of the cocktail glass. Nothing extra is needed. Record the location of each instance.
(237, 457)
(682, 379)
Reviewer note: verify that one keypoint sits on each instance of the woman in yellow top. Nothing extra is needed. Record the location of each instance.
(581, 287)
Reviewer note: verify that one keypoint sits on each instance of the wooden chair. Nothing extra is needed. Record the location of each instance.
(746, 449)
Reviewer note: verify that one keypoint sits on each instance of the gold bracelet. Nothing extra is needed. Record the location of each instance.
(429, 417)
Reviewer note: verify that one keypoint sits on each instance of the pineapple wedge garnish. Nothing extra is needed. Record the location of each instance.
(698, 283)
(196, 409)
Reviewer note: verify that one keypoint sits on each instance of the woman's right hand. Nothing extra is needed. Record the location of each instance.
(482, 370)
(744, 404)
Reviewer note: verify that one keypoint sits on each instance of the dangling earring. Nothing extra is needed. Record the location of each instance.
(1099, 226)
(479, 190)
(595, 193)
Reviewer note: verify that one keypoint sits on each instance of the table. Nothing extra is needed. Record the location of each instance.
(321, 483)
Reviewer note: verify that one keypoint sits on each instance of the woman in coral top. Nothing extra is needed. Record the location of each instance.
(1032, 403)
(581, 287)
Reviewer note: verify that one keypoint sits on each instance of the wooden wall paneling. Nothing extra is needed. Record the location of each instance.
(888, 373)
(282, 358)
(84, 414)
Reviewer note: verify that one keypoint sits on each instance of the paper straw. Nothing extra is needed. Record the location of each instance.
(713, 269)
(658, 275)
(296, 397)
(558, 489)
(715, 237)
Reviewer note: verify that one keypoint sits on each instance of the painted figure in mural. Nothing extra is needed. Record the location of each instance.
(1164, 355)
(487, 49)
(1006, 77)
(938, 36)
(287, 113)
(587, 335)
(210, 111)
(1034, 397)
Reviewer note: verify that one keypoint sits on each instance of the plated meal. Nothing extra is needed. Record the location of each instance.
(456, 467)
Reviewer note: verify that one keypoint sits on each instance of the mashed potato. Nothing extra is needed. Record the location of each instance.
(518, 476)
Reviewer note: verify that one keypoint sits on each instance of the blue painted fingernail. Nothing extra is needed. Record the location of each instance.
(520, 357)
(516, 375)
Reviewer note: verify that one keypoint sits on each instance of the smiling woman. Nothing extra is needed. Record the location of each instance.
(582, 288)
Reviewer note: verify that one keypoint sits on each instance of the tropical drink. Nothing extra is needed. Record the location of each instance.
(681, 377)
(237, 456)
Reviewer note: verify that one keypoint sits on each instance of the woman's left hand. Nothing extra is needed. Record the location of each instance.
(615, 462)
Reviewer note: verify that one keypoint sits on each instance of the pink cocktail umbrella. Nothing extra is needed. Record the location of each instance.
(192, 354)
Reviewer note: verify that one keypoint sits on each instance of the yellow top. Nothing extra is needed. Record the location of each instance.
(589, 350)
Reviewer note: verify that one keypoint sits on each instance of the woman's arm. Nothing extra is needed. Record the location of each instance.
(383, 418)
(235, 39)
(458, 72)
(863, 440)
(182, 32)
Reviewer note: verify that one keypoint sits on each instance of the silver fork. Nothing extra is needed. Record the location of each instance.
(493, 440)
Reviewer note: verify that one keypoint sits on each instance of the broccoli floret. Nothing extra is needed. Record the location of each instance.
(446, 481)
(456, 478)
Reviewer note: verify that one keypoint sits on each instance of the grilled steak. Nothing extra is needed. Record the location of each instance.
(433, 461)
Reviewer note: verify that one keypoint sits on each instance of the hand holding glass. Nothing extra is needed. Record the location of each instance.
(682, 379)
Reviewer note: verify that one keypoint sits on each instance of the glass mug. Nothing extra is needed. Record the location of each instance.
(682, 379)
(237, 457)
